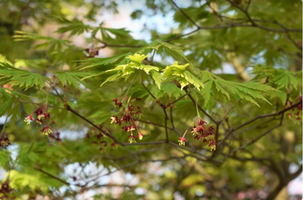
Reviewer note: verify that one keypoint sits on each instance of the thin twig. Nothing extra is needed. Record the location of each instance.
(165, 124)
(50, 175)
(253, 22)
(229, 111)
(190, 19)
(144, 143)
(181, 97)
(255, 140)
(268, 115)
(152, 123)
(200, 108)
(101, 130)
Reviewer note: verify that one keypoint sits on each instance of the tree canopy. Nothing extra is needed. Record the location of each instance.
(209, 108)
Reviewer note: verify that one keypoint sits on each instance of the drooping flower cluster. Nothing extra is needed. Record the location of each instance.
(182, 141)
(42, 118)
(127, 115)
(98, 139)
(5, 190)
(91, 52)
(55, 137)
(295, 111)
(4, 142)
(201, 131)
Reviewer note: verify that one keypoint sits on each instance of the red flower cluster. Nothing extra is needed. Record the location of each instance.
(202, 131)
(295, 111)
(127, 117)
(91, 52)
(5, 190)
(4, 142)
(55, 137)
(42, 118)
(99, 139)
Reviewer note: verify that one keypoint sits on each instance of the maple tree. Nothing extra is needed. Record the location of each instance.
(163, 112)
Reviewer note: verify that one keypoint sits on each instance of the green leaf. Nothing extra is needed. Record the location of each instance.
(184, 77)
(75, 27)
(221, 89)
(246, 91)
(137, 14)
(158, 78)
(206, 92)
(94, 62)
(111, 78)
(138, 58)
(5, 158)
(21, 78)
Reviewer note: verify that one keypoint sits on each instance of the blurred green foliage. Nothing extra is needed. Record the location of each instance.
(50, 57)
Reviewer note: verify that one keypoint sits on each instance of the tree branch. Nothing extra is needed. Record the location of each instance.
(268, 115)
(190, 19)
(225, 115)
(100, 129)
(192, 99)
(54, 177)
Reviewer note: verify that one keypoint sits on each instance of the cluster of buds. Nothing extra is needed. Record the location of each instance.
(91, 52)
(127, 115)
(4, 142)
(55, 136)
(42, 118)
(5, 190)
(201, 131)
(99, 139)
(295, 111)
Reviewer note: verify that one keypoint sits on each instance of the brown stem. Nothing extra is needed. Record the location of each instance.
(190, 19)
(155, 124)
(268, 115)
(100, 129)
(50, 175)
(165, 124)
(192, 99)
(225, 115)
(256, 139)
(144, 143)
(181, 97)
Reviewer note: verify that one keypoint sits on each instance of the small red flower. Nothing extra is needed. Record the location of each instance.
(41, 116)
(47, 115)
(103, 143)
(182, 141)
(38, 121)
(194, 131)
(46, 130)
(113, 119)
(28, 119)
(132, 139)
(211, 129)
(202, 122)
(39, 111)
(131, 128)
(212, 145)
(289, 115)
(140, 136)
(5, 190)
(114, 145)
(4, 142)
